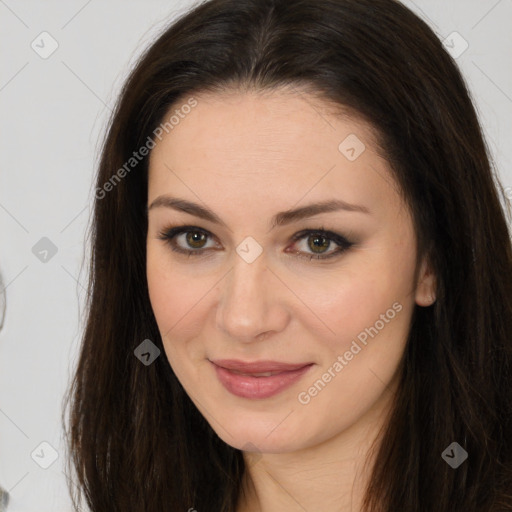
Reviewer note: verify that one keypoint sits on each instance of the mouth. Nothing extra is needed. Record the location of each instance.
(259, 379)
(255, 367)
(262, 374)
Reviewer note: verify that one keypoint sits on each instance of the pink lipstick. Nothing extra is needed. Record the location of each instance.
(259, 379)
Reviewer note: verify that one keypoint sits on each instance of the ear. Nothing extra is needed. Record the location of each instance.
(426, 287)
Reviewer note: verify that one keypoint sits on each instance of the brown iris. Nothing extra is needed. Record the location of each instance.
(194, 237)
(316, 239)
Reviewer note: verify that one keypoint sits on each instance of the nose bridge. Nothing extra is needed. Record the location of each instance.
(248, 305)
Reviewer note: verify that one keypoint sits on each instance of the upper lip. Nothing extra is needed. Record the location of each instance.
(257, 366)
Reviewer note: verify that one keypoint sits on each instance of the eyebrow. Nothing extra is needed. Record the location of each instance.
(280, 219)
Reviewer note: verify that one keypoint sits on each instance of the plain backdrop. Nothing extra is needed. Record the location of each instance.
(53, 114)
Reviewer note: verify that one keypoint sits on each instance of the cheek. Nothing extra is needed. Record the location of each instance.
(175, 297)
(367, 331)
(370, 312)
(373, 295)
(176, 302)
(371, 319)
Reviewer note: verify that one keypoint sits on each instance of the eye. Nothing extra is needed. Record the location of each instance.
(192, 235)
(318, 241)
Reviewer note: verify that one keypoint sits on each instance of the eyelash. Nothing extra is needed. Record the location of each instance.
(168, 235)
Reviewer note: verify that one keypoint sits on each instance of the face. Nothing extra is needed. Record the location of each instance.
(320, 300)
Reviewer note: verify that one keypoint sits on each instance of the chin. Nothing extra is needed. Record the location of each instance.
(252, 434)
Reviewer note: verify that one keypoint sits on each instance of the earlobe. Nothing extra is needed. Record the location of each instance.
(426, 287)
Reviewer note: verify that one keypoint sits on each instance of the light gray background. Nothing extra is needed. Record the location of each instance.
(53, 112)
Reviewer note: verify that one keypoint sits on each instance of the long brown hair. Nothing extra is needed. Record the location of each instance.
(136, 441)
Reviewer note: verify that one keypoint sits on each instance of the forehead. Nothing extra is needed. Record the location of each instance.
(279, 145)
(257, 120)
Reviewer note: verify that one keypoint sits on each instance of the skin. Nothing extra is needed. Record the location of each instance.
(247, 156)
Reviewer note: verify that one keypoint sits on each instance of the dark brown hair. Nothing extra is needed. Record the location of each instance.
(136, 441)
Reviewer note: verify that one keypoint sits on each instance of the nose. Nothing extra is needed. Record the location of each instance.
(252, 303)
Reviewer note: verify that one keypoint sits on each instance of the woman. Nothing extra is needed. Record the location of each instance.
(301, 279)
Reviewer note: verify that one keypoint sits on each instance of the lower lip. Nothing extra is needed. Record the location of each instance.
(246, 386)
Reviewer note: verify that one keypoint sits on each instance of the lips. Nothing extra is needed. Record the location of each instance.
(259, 379)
